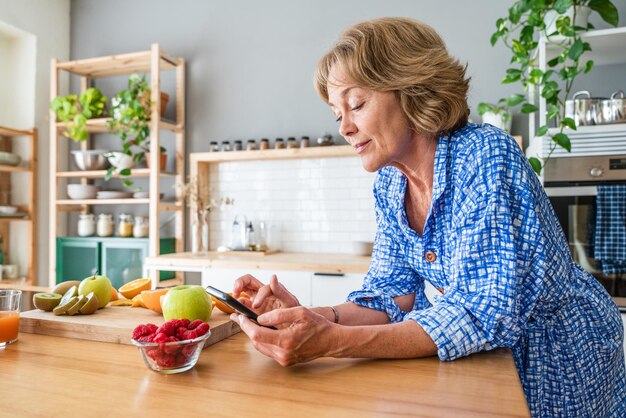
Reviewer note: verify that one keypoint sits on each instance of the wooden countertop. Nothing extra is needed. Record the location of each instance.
(323, 263)
(54, 376)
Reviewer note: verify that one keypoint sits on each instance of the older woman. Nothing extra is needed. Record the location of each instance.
(458, 206)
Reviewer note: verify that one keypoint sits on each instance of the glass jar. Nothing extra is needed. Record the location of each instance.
(214, 147)
(238, 146)
(225, 146)
(86, 225)
(304, 142)
(142, 227)
(105, 225)
(265, 144)
(125, 224)
(251, 145)
(279, 143)
(291, 142)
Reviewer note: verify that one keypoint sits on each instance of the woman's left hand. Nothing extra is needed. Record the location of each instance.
(303, 335)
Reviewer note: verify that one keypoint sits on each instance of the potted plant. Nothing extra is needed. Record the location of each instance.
(76, 109)
(499, 114)
(130, 117)
(557, 22)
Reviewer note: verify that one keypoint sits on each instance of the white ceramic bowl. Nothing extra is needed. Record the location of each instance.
(120, 160)
(362, 247)
(6, 158)
(82, 191)
(8, 210)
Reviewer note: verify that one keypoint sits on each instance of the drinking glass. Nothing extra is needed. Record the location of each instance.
(9, 316)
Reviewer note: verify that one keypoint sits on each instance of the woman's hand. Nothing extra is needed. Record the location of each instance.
(303, 335)
(264, 297)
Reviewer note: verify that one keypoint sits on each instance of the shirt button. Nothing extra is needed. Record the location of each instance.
(430, 256)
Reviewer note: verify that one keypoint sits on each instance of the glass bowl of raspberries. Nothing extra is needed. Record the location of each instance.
(174, 347)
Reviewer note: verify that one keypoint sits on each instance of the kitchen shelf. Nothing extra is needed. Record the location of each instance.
(607, 46)
(153, 62)
(273, 154)
(28, 212)
(98, 174)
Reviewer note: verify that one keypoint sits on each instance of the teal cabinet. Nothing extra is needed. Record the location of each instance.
(120, 259)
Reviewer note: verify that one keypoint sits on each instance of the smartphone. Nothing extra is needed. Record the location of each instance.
(233, 303)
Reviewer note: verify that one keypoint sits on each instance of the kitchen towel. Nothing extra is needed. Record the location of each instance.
(610, 234)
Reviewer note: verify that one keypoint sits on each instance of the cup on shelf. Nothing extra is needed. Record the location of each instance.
(119, 160)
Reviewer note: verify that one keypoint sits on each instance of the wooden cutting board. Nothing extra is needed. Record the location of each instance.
(113, 324)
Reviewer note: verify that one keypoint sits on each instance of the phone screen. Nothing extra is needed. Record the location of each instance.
(233, 303)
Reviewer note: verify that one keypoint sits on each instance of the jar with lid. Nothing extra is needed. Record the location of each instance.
(291, 142)
(304, 142)
(225, 146)
(104, 227)
(238, 146)
(279, 143)
(125, 224)
(86, 225)
(265, 144)
(142, 227)
(214, 147)
(251, 145)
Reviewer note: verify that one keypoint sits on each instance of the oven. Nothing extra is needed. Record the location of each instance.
(571, 184)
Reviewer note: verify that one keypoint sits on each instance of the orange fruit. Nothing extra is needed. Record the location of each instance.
(152, 299)
(114, 295)
(135, 287)
(137, 302)
(223, 307)
(121, 302)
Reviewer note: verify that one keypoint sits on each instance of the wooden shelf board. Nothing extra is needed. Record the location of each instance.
(607, 46)
(5, 219)
(112, 65)
(273, 154)
(129, 201)
(135, 172)
(22, 283)
(4, 131)
(14, 169)
(100, 125)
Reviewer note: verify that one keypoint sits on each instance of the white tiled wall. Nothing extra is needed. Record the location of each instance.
(310, 205)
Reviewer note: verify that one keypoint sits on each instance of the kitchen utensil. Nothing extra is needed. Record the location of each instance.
(9, 271)
(584, 109)
(119, 160)
(616, 107)
(90, 159)
(8, 210)
(82, 191)
(7, 158)
(239, 238)
(113, 194)
(183, 354)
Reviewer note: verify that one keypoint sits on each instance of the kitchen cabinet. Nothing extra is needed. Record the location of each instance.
(153, 62)
(328, 289)
(20, 141)
(120, 259)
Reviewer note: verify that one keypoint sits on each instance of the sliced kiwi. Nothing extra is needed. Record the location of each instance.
(64, 305)
(91, 304)
(46, 301)
(63, 287)
(72, 310)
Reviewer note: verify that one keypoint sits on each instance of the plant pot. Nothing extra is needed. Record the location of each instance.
(582, 18)
(498, 120)
(162, 160)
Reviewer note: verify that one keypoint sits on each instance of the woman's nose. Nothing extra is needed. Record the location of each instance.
(347, 127)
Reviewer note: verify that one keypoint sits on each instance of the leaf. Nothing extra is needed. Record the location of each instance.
(576, 50)
(552, 112)
(127, 183)
(484, 108)
(529, 108)
(542, 130)
(535, 164)
(607, 11)
(515, 99)
(588, 66)
(561, 6)
(125, 172)
(563, 141)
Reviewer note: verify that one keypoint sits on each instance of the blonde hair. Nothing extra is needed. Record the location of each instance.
(409, 58)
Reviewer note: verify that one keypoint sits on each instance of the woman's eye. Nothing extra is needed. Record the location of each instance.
(357, 107)
(338, 119)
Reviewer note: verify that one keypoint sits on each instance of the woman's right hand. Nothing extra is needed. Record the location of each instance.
(264, 297)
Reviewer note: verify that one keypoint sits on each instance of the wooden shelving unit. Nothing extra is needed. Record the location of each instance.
(27, 168)
(152, 62)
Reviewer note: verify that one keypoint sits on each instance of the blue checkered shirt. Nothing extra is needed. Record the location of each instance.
(610, 231)
(507, 274)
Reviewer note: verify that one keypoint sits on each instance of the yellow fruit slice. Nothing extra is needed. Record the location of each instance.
(121, 302)
(132, 289)
(137, 302)
(152, 299)
(114, 295)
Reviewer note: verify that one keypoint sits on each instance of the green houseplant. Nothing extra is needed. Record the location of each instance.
(520, 30)
(130, 117)
(75, 109)
(499, 114)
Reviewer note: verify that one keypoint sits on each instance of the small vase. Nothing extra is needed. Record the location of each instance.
(499, 120)
(199, 232)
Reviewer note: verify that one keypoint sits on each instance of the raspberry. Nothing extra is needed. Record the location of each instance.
(194, 324)
(180, 332)
(166, 360)
(152, 328)
(146, 338)
(184, 322)
(160, 337)
(140, 331)
(168, 328)
(189, 335)
(180, 359)
(202, 329)
(188, 350)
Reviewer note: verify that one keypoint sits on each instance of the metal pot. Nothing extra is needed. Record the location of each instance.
(613, 110)
(584, 109)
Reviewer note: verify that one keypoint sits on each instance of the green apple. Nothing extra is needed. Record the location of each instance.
(187, 301)
(100, 285)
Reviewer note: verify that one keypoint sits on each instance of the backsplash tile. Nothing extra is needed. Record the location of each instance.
(310, 205)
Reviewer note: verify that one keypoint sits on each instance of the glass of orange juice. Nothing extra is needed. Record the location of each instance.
(9, 316)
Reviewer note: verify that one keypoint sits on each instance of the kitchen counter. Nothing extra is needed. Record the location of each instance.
(54, 376)
(326, 263)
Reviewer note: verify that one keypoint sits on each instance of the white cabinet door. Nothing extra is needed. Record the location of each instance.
(330, 289)
(297, 282)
